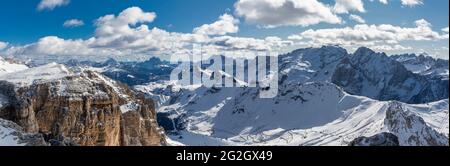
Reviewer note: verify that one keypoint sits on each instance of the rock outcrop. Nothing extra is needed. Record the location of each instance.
(411, 129)
(140, 127)
(82, 108)
(382, 139)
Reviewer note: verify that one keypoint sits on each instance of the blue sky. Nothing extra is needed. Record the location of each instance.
(24, 23)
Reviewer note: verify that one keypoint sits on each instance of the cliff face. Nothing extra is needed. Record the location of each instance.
(382, 139)
(139, 128)
(377, 76)
(411, 129)
(84, 109)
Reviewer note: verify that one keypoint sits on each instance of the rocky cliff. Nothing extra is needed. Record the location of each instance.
(78, 108)
(382, 139)
(411, 130)
(375, 75)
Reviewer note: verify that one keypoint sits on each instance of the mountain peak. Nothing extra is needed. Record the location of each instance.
(364, 51)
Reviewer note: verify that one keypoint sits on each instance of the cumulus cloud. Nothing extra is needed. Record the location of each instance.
(295, 37)
(372, 35)
(243, 43)
(73, 23)
(409, 3)
(384, 1)
(52, 45)
(445, 30)
(357, 18)
(120, 25)
(396, 47)
(129, 30)
(128, 36)
(226, 24)
(123, 32)
(274, 13)
(3, 45)
(446, 34)
(345, 6)
(51, 4)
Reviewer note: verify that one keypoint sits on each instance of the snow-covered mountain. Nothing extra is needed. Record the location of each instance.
(309, 109)
(74, 107)
(310, 64)
(364, 73)
(424, 65)
(302, 114)
(130, 73)
(8, 66)
(375, 75)
(327, 96)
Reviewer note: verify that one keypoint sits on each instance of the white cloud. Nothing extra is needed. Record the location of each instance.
(371, 35)
(295, 37)
(73, 23)
(384, 1)
(120, 25)
(390, 48)
(446, 34)
(357, 18)
(239, 43)
(3, 45)
(409, 3)
(422, 23)
(226, 24)
(274, 13)
(345, 6)
(129, 30)
(124, 34)
(52, 45)
(127, 36)
(445, 30)
(276, 43)
(51, 4)
(243, 43)
(116, 32)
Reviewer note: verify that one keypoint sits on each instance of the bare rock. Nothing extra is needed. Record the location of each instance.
(382, 139)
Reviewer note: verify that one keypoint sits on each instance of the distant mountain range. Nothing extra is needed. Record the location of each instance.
(324, 99)
(406, 78)
(327, 96)
(131, 73)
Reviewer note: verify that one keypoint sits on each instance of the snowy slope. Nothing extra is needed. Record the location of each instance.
(8, 66)
(8, 130)
(44, 73)
(303, 114)
(310, 64)
(12, 134)
(7, 134)
(309, 110)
